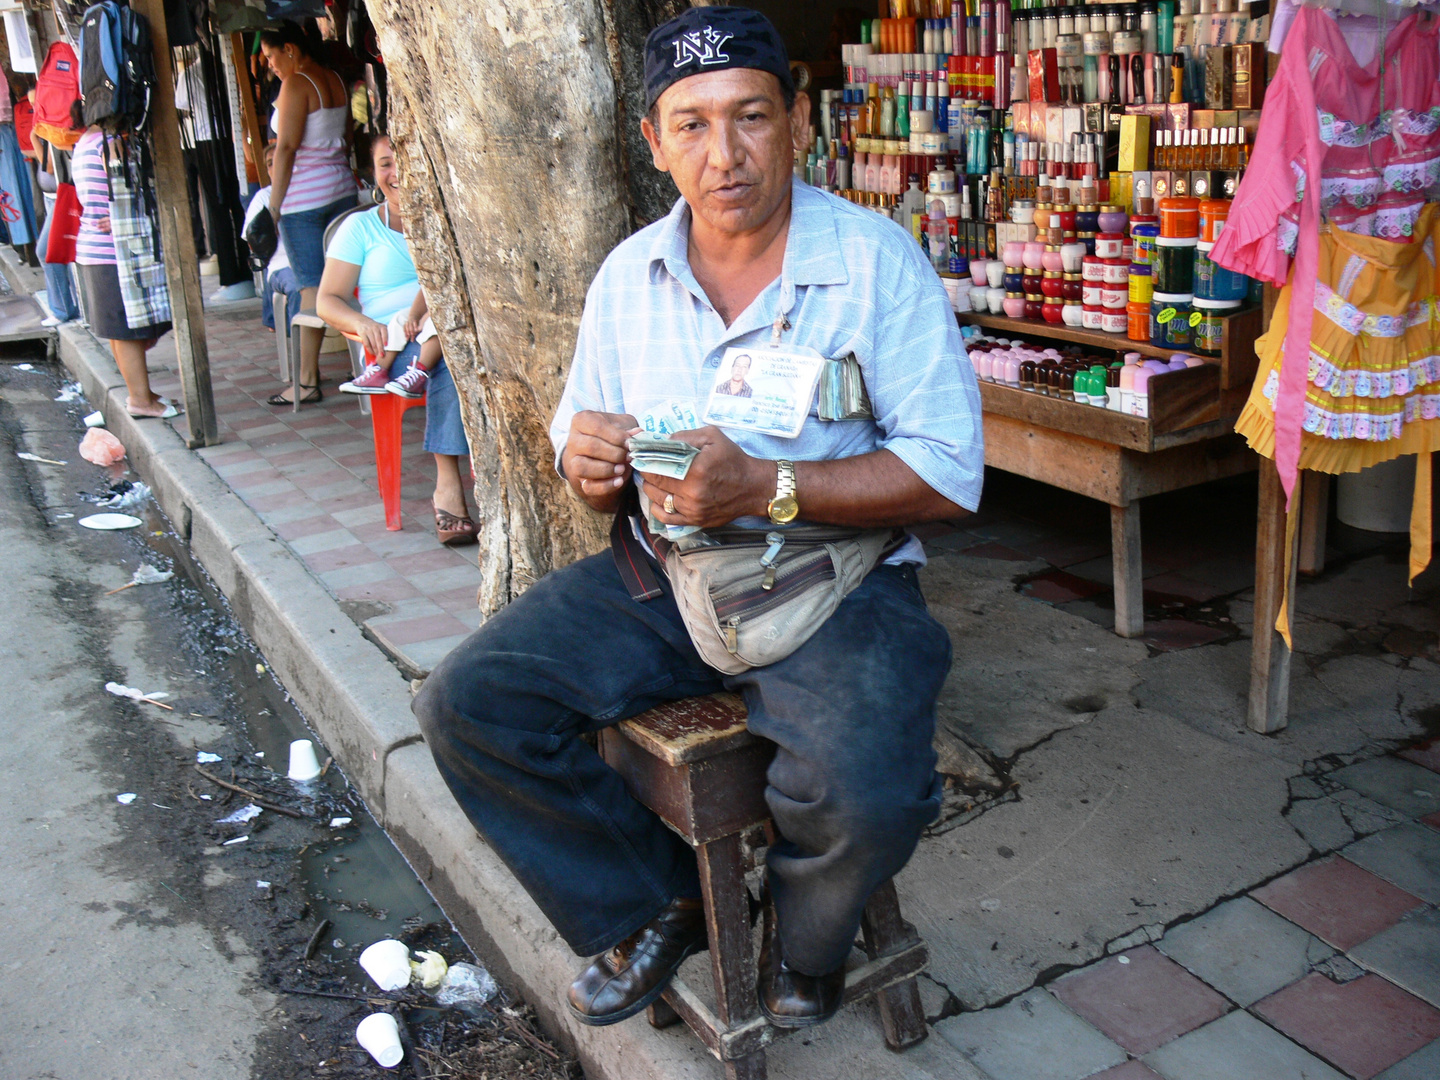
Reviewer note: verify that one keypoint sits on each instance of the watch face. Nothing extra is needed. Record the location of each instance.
(784, 509)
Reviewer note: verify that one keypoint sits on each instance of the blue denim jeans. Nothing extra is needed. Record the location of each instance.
(59, 292)
(444, 430)
(281, 281)
(303, 234)
(852, 785)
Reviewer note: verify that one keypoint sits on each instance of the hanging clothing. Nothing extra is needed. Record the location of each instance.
(216, 205)
(138, 261)
(17, 196)
(321, 174)
(1338, 206)
(1373, 389)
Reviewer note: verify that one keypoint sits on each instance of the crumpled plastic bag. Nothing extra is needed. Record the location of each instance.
(126, 495)
(467, 988)
(99, 447)
(430, 969)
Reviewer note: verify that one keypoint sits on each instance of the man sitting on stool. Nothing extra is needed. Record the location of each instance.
(748, 257)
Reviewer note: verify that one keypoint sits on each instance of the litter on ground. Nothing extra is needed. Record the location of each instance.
(121, 690)
(26, 456)
(205, 758)
(99, 447)
(145, 574)
(125, 495)
(109, 521)
(237, 840)
(126, 799)
(239, 817)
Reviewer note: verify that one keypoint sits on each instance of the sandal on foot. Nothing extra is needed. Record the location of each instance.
(453, 530)
(311, 396)
(168, 409)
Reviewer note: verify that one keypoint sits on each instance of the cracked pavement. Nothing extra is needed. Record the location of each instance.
(1135, 802)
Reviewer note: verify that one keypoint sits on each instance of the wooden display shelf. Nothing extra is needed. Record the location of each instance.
(1187, 439)
(1184, 407)
(1237, 362)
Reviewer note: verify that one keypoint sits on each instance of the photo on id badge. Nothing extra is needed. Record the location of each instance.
(764, 389)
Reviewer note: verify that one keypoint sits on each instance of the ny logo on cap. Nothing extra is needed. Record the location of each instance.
(701, 47)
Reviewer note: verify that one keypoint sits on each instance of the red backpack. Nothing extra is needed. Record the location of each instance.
(57, 93)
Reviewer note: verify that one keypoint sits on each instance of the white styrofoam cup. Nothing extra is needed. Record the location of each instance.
(303, 763)
(379, 1034)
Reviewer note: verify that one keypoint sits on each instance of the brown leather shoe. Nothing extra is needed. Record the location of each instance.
(788, 998)
(621, 982)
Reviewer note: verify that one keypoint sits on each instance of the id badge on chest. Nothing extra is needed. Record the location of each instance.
(765, 389)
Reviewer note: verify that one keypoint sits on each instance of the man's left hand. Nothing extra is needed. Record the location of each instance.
(723, 483)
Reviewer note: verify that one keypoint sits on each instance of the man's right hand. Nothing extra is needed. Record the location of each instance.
(595, 459)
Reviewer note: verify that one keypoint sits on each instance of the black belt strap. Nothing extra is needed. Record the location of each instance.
(631, 558)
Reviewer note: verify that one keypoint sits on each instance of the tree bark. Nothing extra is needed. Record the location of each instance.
(518, 181)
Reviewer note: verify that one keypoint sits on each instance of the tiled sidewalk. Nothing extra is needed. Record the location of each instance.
(311, 477)
(1330, 971)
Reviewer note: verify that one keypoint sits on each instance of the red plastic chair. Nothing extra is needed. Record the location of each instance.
(386, 414)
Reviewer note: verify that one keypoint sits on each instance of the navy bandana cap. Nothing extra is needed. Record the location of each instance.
(704, 39)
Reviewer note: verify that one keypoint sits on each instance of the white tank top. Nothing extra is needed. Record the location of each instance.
(321, 174)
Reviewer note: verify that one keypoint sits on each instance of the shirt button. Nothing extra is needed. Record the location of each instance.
(712, 361)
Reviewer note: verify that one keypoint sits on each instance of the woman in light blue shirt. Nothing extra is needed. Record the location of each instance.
(368, 254)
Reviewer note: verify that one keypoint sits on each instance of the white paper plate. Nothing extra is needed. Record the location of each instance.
(110, 521)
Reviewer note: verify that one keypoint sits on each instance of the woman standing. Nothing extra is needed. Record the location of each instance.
(313, 182)
(95, 256)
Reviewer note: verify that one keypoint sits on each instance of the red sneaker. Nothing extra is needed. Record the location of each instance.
(411, 384)
(371, 382)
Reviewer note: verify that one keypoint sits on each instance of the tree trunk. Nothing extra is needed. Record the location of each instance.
(517, 183)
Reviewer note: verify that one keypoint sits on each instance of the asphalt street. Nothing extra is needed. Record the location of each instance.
(107, 970)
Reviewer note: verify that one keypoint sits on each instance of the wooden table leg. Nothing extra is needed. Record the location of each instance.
(1125, 553)
(1314, 518)
(1269, 655)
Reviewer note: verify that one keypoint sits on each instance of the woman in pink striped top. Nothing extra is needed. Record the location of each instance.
(312, 182)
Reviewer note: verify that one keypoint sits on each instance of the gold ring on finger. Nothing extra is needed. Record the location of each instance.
(669, 504)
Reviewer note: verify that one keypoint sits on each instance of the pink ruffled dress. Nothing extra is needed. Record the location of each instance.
(1339, 205)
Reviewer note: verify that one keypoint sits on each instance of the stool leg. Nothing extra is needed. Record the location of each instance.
(750, 1067)
(661, 1015)
(386, 412)
(732, 959)
(901, 1014)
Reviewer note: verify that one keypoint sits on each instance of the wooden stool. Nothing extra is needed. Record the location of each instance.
(695, 763)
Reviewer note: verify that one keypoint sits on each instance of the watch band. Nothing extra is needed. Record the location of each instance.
(784, 479)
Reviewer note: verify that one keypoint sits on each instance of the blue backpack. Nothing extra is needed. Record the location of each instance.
(117, 67)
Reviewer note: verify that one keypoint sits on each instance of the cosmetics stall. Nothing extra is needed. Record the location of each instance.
(1070, 170)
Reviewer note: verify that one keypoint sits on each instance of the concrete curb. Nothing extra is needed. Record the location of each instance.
(359, 704)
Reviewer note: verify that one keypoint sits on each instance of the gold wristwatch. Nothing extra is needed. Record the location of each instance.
(784, 508)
